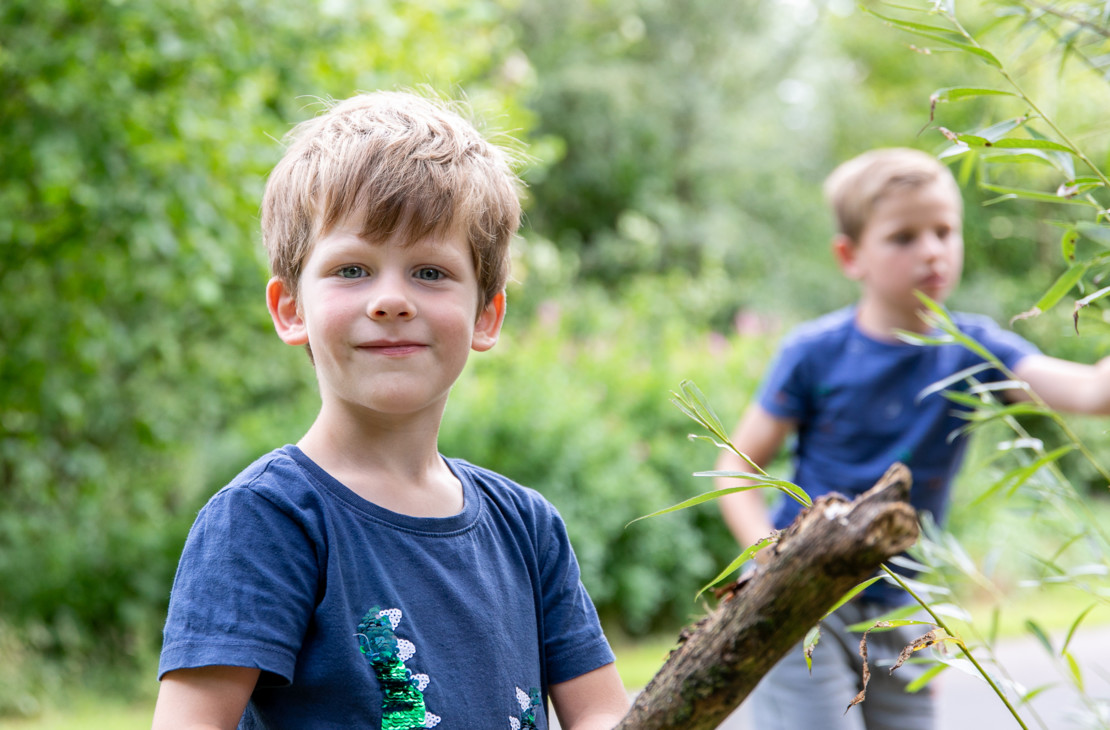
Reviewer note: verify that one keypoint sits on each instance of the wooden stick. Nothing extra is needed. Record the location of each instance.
(829, 549)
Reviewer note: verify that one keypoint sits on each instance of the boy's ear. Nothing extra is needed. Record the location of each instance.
(488, 326)
(286, 314)
(845, 250)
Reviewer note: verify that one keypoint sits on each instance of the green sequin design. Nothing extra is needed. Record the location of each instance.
(530, 704)
(402, 701)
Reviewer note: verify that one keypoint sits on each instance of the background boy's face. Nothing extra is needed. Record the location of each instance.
(912, 241)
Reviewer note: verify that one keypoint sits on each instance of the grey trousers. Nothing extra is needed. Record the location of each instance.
(791, 698)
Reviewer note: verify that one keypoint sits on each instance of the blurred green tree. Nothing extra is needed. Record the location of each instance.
(138, 366)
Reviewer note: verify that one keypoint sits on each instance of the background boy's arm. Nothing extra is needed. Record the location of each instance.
(204, 698)
(759, 435)
(595, 700)
(1064, 385)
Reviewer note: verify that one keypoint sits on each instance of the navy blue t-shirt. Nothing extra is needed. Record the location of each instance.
(362, 617)
(856, 402)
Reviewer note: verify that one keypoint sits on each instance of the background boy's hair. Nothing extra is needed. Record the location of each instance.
(392, 162)
(855, 187)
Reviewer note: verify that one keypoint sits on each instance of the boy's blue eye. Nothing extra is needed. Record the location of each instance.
(351, 272)
(429, 274)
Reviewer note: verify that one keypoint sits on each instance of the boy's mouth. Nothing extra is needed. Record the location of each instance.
(391, 348)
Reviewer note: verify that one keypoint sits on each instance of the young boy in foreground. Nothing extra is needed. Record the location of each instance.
(359, 579)
(849, 391)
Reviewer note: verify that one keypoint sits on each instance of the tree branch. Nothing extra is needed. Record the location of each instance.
(832, 547)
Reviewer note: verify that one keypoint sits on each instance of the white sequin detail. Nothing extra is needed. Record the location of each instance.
(514, 724)
(523, 699)
(421, 681)
(431, 720)
(406, 649)
(394, 615)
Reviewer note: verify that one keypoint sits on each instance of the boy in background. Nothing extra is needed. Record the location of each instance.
(848, 389)
(359, 578)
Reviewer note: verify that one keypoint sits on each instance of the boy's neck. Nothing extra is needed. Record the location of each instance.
(395, 466)
(884, 324)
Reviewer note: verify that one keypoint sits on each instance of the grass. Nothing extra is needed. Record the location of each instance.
(88, 712)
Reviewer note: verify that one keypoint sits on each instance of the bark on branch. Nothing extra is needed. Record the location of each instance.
(832, 547)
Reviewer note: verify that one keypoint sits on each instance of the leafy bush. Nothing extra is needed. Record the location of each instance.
(137, 137)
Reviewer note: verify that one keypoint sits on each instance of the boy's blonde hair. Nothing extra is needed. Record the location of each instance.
(855, 187)
(392, 162)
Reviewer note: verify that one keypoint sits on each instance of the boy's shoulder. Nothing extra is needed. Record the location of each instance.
(835, 325)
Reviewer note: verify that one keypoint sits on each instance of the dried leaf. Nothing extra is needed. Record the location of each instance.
(866, 675)
(923, 642)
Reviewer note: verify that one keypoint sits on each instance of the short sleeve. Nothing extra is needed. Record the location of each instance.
(244, 590)
(783, 392)
(573, 640)
(1009, 347)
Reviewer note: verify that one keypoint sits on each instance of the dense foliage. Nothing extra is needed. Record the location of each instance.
(137, 137)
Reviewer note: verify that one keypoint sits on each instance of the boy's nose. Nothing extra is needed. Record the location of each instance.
(933, 244)
(390, 301)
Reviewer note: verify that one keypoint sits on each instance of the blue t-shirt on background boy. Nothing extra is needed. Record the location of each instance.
(359, 578)
(850, 392)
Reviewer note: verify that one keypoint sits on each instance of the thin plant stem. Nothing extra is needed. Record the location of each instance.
(959, 642)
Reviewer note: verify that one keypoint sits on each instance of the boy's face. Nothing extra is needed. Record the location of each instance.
(912, 242)
(390, 324)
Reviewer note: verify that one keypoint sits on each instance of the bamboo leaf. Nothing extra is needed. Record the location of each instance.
(1075, 625)
(1101, 293)
(791, 489)
(812, 637)
(740, 559)
(1030, 144)
(1063, 284)
(695, 501)
(1010, 193)
(852, 594)
(1076, 672)
(1013, 479)
(952, 380)
(925, 677)
(1067, 244)
(959, 93)
(1098, 233)
(909, 25)
(1034, 628)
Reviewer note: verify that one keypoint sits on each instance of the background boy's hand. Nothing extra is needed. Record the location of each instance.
(1064, 385)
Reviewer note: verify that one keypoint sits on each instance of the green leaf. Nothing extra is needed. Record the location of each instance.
(1095, 232)
(1016, 477)
(1087, 300)
(1076, 672)
(909, 25)
(810, 643)
(791, 489)
(852, 594)
(952, 380)
(1075, 626)
(1063, 284)
(1030, 144)
(1010, 193)
(959, 93)
(925, 677)
(1067, 244)
(695, 501)
(740, 559)
(1034, 628)
(896, 614)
